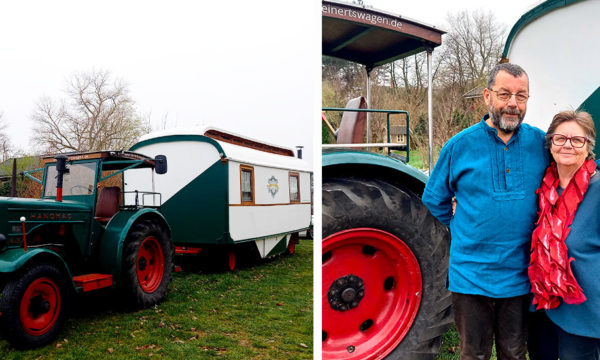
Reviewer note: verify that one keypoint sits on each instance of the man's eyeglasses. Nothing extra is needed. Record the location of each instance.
(505, 96)
(576, 141)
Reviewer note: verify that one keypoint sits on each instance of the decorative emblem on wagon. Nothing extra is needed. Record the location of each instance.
(273, 186)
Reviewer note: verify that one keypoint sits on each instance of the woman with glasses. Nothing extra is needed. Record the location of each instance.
(565, 250)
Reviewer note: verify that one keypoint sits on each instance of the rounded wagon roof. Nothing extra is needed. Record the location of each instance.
(232, 146)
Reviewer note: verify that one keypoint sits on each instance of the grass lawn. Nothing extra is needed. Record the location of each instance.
(450, 349)
(260, 311)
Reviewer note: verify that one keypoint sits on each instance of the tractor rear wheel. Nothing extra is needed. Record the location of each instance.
(385, 260)
(147, 263)
(33, 306)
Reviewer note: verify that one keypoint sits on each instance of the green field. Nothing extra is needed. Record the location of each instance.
(263, 310)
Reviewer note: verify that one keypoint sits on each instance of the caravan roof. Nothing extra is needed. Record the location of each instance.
(233, 147)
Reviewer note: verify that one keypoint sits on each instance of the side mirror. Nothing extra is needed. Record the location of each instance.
(160, 164)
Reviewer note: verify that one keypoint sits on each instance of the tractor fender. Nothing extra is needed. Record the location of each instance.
(350, 163)
(13, 260)
(110, 254)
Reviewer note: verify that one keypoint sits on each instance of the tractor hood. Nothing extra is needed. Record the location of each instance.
(36, 212)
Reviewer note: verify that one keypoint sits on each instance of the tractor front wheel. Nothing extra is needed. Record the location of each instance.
(147, 263)
(33, 306)
(385, 260)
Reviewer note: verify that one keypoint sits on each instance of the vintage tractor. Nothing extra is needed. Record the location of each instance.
(385, 257)
(79, 237)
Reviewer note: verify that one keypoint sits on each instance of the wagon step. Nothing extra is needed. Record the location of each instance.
(89, 282)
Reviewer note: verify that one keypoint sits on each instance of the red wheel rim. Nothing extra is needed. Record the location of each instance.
(150, 264)
(231, 261)
(40, 306)
(392, 293)
(292, 246)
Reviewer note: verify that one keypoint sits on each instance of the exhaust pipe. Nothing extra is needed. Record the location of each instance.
(61, 169)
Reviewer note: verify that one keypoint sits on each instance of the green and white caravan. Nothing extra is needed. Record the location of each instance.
(227, 193)
(556, 43)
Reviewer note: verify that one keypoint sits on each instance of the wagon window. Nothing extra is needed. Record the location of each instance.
(294, 187)
(247, 178)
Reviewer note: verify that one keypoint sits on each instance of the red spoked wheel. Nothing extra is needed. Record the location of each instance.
(40, 306)
(291, 249)
(371, 293)
(33, 305)
(231, 260)
(150, 264)
(147, 263)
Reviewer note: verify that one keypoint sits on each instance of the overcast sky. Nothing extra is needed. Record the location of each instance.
(434, 12)
(250, 67)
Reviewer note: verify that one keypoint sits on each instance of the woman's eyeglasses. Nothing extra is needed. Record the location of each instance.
(576, 141)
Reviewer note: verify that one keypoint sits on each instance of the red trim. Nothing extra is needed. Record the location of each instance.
(240, 141)
(58, 194)
(89, 282)
(24, 237)
(187, 250)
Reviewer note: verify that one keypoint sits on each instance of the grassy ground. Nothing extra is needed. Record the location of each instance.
(260, 311)
(450, 349)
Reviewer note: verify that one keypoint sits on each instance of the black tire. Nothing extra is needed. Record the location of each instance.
(146, 237)
(352, 203)
(310, 233)
(41, 291)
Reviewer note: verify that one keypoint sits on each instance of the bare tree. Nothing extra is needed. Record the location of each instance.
(472, 47)
(6, 148)
(96, 114)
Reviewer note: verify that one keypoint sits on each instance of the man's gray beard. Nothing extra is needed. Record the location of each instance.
(506, 126)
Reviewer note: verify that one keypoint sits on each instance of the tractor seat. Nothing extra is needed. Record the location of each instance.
(108, 203)
(353, 125)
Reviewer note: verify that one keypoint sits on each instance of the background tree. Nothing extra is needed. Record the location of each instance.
(6, 148)
(96, 113)
(472, 46)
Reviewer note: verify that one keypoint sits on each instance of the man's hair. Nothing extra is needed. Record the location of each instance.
(582, 118)
(513, 69)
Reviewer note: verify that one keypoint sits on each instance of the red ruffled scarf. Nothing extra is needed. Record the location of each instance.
(550, 268)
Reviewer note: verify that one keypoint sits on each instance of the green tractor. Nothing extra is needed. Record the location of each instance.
(385, 257)
(80, 237)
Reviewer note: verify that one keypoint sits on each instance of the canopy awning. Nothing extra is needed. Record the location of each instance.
(373, 37)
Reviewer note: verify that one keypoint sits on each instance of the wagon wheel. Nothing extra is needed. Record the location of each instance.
(147, 263)
(33, 306)
(384, 268)
(231, 260)
(291, 248)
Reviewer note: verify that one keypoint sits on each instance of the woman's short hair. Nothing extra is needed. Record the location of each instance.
(583, 119)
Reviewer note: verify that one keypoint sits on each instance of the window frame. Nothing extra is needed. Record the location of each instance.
(249, 169)
(297, 176)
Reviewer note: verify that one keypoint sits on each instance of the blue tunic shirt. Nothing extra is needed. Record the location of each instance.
(583, 245)
(494, 184)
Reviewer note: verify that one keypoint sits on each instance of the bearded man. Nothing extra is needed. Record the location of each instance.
(492, 170)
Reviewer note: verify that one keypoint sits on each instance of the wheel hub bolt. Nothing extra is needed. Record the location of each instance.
(346, 292)
(348, 295)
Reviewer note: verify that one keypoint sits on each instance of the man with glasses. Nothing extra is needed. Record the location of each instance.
(491, 170)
